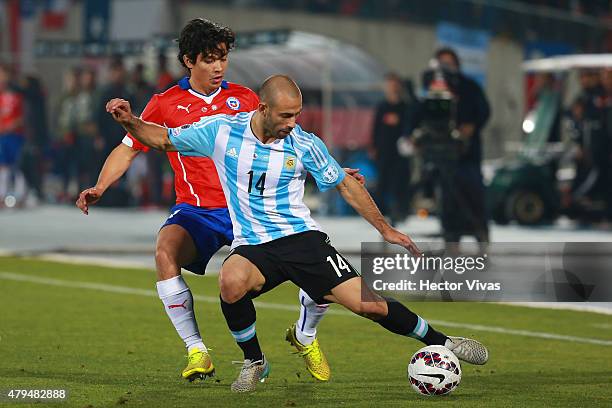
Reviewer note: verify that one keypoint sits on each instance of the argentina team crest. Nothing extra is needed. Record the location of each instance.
(290, 163)
(233, 103)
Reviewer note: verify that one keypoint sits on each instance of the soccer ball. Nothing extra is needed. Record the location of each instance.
(434, 370)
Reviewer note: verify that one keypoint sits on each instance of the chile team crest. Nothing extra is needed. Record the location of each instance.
(233, 103)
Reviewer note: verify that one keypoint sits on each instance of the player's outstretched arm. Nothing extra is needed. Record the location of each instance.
(115, 166)
(149, 134)
(358, 197)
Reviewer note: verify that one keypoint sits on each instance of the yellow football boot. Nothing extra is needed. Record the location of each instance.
(199, 365)
(315, 360)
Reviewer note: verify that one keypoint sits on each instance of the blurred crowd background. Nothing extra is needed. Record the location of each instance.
(65, 143)
(361, 64)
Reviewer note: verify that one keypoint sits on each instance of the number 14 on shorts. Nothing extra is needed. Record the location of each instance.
(339, 265)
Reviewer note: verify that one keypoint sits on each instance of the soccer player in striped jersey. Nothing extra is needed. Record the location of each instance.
(262, 158)
(199, 224)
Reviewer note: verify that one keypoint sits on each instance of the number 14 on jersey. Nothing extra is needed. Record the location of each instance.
(340, 265)
(260, 184)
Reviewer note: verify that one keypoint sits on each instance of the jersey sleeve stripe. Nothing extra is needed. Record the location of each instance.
(191, 190)
(233, 119)
(306, 148)
(314, 149)
(317, 156)
(207, 121)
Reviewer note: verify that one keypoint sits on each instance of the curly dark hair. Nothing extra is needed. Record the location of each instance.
(201, 36)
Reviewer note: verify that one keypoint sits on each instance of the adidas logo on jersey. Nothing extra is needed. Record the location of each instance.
(232, 153)
(330, 174)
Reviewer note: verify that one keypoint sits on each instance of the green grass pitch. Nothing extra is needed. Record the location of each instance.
(110, 346)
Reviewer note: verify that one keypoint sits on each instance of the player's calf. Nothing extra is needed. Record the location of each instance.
(240, 317)
(359, 300)
(374, 310)
(166, 266)
(398, 319)
(174, 248)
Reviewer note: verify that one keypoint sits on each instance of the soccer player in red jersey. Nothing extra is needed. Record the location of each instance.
(11, 131)
(199, 224)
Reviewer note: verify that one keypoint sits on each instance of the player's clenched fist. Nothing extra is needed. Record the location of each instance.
(120, 109)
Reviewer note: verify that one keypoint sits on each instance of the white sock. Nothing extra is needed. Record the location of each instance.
(20, 186)
(178, 302)
(5, 176)
(310, 317)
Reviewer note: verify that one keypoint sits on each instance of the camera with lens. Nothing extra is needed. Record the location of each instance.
(436, 135)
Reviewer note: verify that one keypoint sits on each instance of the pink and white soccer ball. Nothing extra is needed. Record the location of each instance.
(434, 370)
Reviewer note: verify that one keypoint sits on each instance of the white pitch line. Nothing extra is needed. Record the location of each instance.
(279, 306)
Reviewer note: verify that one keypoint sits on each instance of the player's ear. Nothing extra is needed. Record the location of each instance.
(262, 108)
(189, 63)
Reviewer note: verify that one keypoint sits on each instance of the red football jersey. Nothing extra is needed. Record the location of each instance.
(195, 178)
(11, 111)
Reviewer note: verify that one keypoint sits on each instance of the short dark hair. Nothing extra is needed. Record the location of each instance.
(201, 36)
(393, 76)
(448, 51)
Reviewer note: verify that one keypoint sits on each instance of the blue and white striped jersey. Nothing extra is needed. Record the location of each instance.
(263, 183)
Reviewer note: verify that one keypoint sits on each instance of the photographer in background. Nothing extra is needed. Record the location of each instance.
(462, 111)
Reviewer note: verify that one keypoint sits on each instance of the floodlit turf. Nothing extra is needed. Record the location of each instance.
(119, 349)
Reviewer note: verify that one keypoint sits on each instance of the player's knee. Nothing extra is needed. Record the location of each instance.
(232, 287)
(163, 256)
(231, 295)
(166, 262)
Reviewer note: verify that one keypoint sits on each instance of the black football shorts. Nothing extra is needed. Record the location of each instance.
(307, 259)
